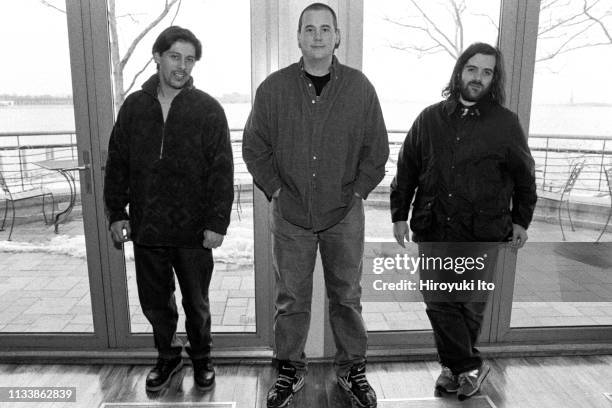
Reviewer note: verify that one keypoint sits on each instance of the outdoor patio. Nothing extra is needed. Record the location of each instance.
(44, 280)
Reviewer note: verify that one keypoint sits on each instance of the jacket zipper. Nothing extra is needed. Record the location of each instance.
(161, 148)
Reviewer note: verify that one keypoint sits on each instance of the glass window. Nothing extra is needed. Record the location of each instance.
(223, 72)
(562, 278)
(409, 50)
(44, 281)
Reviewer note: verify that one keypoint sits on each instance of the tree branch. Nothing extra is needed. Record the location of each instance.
(144, 32)
(137, 75)
(458, 11)
(488, 17)
(598, 21)
(130, 15)
(46, 3)
(127, 90)
(560, 49)
(578, 47)
(428, 32)
(435, 26)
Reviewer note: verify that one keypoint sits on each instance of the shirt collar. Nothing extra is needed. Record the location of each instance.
(333, 68)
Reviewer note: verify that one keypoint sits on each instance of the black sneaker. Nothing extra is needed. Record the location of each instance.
(203, 374)
(357, 387)
(162, 373)
(287, 384)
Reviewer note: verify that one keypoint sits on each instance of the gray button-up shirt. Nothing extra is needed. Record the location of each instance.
(318, 150)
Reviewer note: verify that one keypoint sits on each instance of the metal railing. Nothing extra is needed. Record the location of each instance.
(20, 150)
(553, 154)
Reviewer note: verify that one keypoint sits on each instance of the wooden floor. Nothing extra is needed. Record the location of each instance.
(515, 382)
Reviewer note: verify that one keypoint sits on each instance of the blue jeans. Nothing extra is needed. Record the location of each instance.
(294, 255)
(155, 280)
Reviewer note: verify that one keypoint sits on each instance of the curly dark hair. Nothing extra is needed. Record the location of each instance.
(496, 92)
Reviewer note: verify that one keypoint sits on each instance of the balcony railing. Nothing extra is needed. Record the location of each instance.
(553, 154)
(19, 151)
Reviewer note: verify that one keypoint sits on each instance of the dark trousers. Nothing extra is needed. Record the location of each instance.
(456, 327)
(457, 324)
(155, 279)
(295, 251)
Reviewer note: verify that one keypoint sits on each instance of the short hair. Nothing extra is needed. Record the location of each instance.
(172, 34)
(318, 6)
(496, 92)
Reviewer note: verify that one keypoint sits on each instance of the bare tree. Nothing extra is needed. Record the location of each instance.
(119, 61)
(432, 36)
(565, 26)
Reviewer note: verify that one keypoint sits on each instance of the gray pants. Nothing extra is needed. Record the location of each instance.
(295, 251)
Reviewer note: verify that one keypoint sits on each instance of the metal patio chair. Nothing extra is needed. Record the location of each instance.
(11, 193)
(608, 172)
(564, 193)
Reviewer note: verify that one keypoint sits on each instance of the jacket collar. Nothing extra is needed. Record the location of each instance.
(151, 85)
(334, 68)
(481, 107)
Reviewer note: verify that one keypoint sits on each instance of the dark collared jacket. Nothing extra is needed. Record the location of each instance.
(318, 150)
(473, 176)
(177, 176)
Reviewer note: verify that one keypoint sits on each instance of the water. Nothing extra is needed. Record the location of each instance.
(579, 120)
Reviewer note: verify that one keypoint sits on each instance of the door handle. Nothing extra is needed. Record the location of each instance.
(87, 169)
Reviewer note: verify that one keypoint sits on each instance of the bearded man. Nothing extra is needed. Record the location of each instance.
(466, 163)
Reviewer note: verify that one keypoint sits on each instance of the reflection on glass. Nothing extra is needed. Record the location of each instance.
(44, 281)
(224, 73)
(563, 284)
(567, 283)
(570, 123)
(409, 50)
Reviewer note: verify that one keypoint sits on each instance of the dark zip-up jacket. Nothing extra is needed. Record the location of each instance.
(319, 150)
(177, 176)
(473, 176)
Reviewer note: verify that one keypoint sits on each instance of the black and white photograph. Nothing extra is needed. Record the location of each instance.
(290, 203)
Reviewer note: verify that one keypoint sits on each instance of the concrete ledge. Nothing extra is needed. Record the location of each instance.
(264, 355)
(586, 212)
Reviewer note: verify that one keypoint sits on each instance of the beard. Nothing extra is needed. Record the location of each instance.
(476, 93)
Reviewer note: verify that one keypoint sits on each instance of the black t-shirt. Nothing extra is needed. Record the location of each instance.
(319, 81)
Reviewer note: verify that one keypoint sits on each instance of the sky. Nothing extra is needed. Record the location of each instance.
(38, 63)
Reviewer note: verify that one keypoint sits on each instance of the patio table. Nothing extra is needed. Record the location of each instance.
(65, 167)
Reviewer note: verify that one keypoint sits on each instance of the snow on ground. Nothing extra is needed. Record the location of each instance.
(237, 247)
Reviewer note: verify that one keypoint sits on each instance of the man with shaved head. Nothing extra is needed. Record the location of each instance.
(316, 144)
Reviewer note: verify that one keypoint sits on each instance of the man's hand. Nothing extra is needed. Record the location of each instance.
(121, 231)
(400, 232)
(212, 239)
(519, 236)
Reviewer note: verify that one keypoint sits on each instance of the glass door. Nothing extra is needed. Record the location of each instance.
(223, 72)
(50, 271)
(562, 287)
(419, 43)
